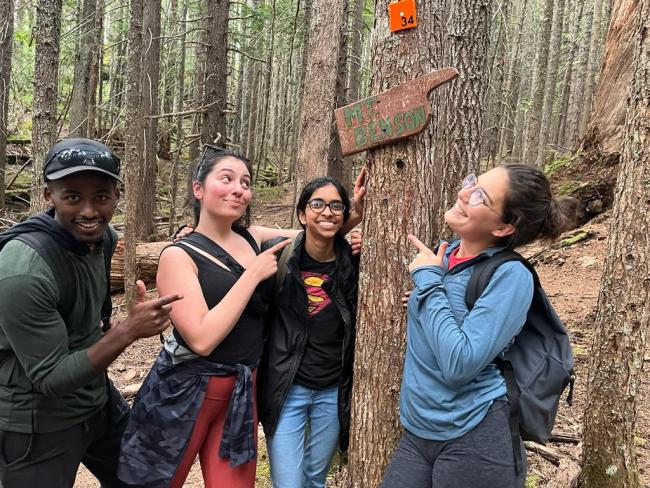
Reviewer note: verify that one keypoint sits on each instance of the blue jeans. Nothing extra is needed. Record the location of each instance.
(305, 440)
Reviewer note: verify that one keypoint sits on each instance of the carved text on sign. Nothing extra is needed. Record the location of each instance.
(394, 114)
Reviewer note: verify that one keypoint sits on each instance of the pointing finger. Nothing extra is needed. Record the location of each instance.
(277, 247)
(140, 292)
(417, 243)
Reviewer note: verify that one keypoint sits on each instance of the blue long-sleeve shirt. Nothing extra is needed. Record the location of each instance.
(449, 378)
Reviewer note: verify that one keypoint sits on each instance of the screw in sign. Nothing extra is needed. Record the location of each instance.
(402, 15)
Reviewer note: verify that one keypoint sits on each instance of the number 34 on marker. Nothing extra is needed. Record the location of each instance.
(402, 15)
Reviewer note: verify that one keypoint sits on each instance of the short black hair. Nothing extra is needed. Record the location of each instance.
(314, 185)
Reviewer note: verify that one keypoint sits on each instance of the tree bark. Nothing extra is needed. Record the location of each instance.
(539, 84)
(551, 81)
(180, 96)
(133, 145)
(411, 184)
(216, 85)
(319, 96)
(610, 102)
(46, 70)
(146, 199)
(623, 313)
(6, 45)
(81, 93)
(593, 64)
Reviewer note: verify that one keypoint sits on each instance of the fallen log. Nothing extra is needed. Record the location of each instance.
(547, 453)
(147, 254)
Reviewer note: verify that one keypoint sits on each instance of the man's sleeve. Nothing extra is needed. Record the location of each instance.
(38, 336)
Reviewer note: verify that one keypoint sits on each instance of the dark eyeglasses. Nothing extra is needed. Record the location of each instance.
(211, 152)
(477, 196)
(318, 205)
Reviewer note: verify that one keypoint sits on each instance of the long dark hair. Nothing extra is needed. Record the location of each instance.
(314, 185)
(530, 207)
(211, 156)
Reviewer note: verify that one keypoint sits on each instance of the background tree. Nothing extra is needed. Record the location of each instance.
(316, 129)
(44, 129)
(81, 91)
(133, 140)
(6, 44)
(623, 314)
(410, 185)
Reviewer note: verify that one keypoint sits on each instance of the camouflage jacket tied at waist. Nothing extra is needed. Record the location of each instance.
(163, 416)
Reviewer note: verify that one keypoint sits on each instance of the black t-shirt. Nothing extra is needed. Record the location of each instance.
(322, 360)
(245, 341)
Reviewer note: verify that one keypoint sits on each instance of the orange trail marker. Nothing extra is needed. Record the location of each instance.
(390, 116)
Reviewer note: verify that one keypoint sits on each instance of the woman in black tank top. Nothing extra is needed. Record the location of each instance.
(199, 395)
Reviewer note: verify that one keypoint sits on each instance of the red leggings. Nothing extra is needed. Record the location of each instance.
(206, 438)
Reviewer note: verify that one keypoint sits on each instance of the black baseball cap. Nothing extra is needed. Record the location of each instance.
(74, 155)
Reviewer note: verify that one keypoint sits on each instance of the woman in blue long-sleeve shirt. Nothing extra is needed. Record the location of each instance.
(453, 403)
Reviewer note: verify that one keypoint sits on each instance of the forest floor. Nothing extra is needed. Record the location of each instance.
(571, 277)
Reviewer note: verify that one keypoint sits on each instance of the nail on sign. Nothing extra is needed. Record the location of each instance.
(390, 116)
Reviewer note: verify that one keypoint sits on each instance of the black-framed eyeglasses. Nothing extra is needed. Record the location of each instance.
(211, 152)
(477, 196)
(318, 205)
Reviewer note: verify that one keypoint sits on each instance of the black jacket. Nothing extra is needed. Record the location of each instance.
(288, 331)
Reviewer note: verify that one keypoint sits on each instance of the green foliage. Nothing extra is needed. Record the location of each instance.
(552, 166)
(532, 481)
(568, 187)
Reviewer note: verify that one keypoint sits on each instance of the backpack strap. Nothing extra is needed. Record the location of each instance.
(51, 252)
(478, 282)
(484, 270)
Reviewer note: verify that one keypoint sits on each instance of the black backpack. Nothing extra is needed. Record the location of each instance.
(538, 366)
(54, 255)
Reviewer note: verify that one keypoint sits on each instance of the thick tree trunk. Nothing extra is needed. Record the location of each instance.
(96, 96)
(133, 144)
(46, 70)
(216, 83)
(81, 93)
(410, 184)
(6, 44)
(623, 313)
(146, 199)
(319, 96)
(610, 103)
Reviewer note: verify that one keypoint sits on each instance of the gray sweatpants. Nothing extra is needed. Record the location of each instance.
(482, 458)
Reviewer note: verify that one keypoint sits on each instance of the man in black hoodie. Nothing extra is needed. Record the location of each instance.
(57, 408)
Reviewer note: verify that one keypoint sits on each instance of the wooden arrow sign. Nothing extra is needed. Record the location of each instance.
(392, 115)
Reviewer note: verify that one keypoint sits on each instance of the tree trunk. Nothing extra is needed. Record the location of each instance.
(46, 70)
(133, 144)
(146, 199)
(411, 184)
(567, 84)
(81, 93)
(593, 65)
(610, 103)
(509, 111)
(267, 94)
(623, 313)
(319, 96)
(180, 95)
(95, 73)
(198, 88)
(551, 81)
(216, 85)
(539, 84)
(6, 44)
